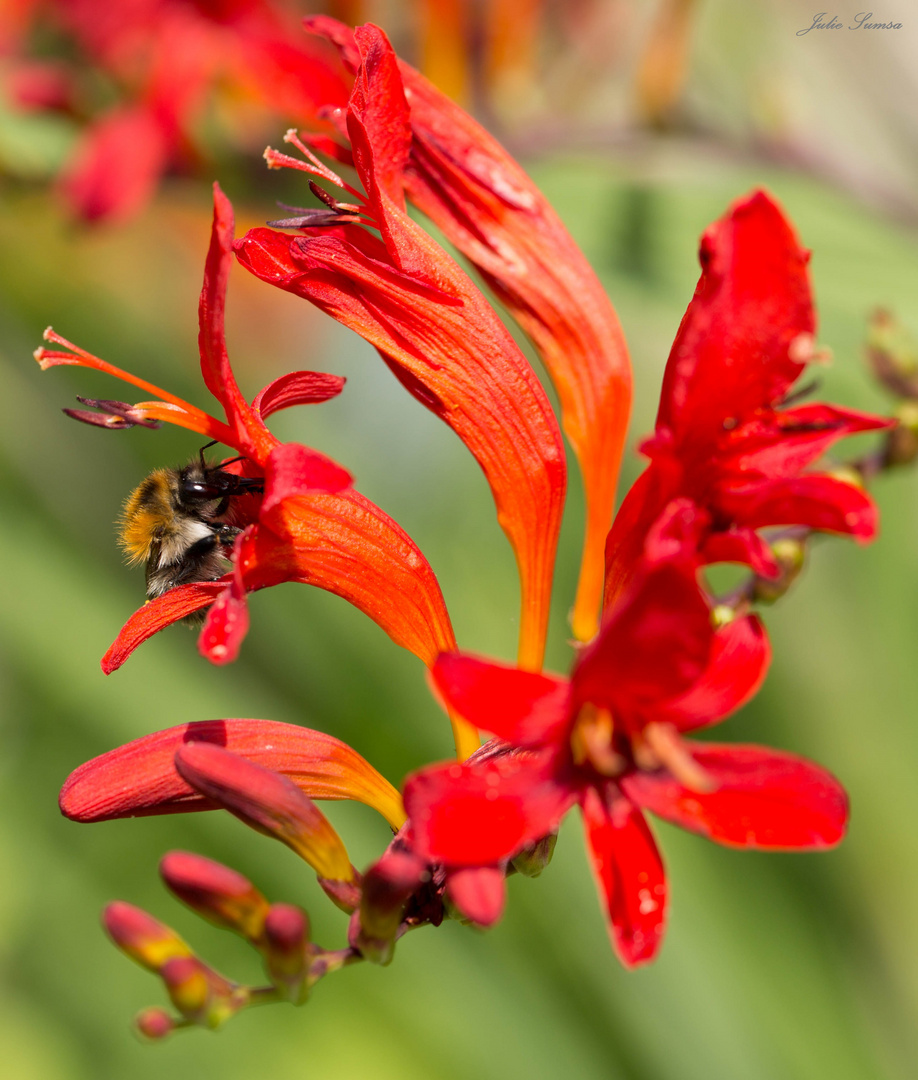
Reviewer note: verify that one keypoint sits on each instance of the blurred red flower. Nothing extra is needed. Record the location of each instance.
(165, 60)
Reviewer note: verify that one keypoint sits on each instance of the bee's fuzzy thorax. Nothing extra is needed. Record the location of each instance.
(147, 515)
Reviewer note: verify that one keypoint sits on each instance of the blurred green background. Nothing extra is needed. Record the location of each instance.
(774, 967)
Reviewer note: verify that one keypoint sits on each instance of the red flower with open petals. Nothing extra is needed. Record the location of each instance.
(724, 445)
(429, 322)
(610, 739)
(310, 526)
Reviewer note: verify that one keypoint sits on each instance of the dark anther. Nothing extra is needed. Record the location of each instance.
(114, 415)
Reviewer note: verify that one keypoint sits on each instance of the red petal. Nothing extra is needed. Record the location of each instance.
(818, 501)
(254, 440)
(227, 622)
(753, 300)
(156, 615)
(519, 706)
(483, 814)
(764, 799)
(655, 643)
(739, 662)
(377, 124)
(630, 876)
(139, 778)
(745, 546)
(487, 206)
(782, 443)
(479, 892)
(297, 388)
(293, 469)
(347, 545)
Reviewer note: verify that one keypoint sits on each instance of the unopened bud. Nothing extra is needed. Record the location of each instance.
(141, 937)
(199, 993)
(892, 355)
(387, 887)
(902, 441)
(287, 952)
(268, 802)
(532, 860)
(217, 893)
(154, 1023)
(790, 555)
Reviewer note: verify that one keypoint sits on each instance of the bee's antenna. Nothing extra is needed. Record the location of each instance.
(206, 446)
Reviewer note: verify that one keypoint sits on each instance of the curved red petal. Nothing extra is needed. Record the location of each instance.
(815, 500)
(783, 443)
(763, 799)
(741, 545)
(297, 388)
(522, 707)
(254, 440)
(655, 643)
(345, 544)
(484, 813)
(293, 469)
(227, 622)
(479, 892)
(156, 615)
(473, 190)
(733, 352)
(629, 874)
(139, 778)
(739, 661)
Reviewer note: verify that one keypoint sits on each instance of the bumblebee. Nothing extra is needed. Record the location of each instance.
(180, 523)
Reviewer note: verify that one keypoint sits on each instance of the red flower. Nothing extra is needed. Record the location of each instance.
(310, 526)
(165, 60)
(610, 739)
(430, 323)
(472, 189)
(726, 445)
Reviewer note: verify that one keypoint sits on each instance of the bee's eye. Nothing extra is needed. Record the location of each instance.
(197, 489)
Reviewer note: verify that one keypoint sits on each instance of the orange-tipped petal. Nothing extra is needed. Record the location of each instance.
(139, 778)
(464, 180)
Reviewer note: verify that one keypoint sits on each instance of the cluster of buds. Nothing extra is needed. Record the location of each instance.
(734, 456)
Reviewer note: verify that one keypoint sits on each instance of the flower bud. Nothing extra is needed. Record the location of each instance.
(215, 892)
(199, 993)
(892, 355)
(789, 554)
(287, 952)
(532, 861)
(154, 1023)
(387, 887)
(902, 441)
(268, 802)
(141, 937)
